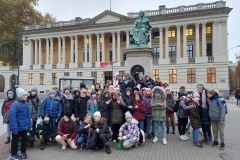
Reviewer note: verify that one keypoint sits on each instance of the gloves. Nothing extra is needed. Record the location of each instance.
(97, 130)
(161, 104)
(130, 107)
(50, 139)
(41, 132)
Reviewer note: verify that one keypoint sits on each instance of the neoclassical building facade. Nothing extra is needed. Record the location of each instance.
(190, 45)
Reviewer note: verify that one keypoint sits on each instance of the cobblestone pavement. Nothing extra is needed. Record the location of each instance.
(174, 150)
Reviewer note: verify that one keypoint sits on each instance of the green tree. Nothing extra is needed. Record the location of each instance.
(14, 15)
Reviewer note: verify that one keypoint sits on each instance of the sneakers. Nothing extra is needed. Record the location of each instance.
(164, 141)
(182, 138)
(7, 140)
(215, 143)
(209, 141)
(222, 146)
(204, 140)
(64, 146)
(173, 131)
(149, 136)
(15, 157)
(186, 138)
(23, 155)
(155, 139)
(167, 130)
(108, 150)
(198, 144)
(114, 141)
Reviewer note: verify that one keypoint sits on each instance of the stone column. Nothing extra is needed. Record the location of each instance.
(166, 42)
(76, 49)
(71, 47)
(90, 48)
(103, 48)
(36, 59)
(51, 51)
(85, 47)
(127, 38)
(40, 52)
(178, 41)
(224, 38)
(59, 50)
(113, 47)
(204, 39)
(197, 39)
(63, 50)
(98, 48)
(160, 42)
(47, 51)
(118, 46)
(150, 39)
(184, 40)
(215, 38)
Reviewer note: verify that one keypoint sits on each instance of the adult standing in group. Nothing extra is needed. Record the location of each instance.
(204, 114)
(237, 96)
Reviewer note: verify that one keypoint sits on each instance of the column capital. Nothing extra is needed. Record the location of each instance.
(89, 34)
(63, 37)
(178, 27)
(75, 36)
(216, 23)
(184, 26)
(85, 35)
(59, 38)
(102, 33)
(203, 24)
(127, 31)
(160, 28)
(166, 27)
(97, 34)
(40, 40)
(223, 22)
(113, 32)
(47, 39)
(197, 25)
(51, 38)
(118, 32)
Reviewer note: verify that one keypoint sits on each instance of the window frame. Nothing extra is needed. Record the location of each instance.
(172, 33)
(208, 30)
(172, 73)
(156, 55)
(188, 51)
(30, 79)
(170, 51)
(188, 32)
(54, 79)
(209, 50)
(191, 75)
(42, 78)
(155, 74)
(211, 75)
(155, 35)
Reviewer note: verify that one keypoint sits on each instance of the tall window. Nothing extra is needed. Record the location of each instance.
(42, 78)
(209, 50)
(172, 75)
(110, 39)
(124, 38)
(124, 56)
(191, 75)
(110, 56)
(155, 35)
(190, 51)
(211, 75)
(121, 74)
(189, 32)
(172, 33)
(156, 53)
(100, 52)
(208, 30)
(84, 56)
(66, 74)
(54, 78)
(100, 40)
(30, 78)
(172, 51)
(79, 74)
(155, 74)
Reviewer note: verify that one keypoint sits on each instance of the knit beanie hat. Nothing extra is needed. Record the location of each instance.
(128, 115)
(200, 84)
(53, 91)
(196, 94)
(140, 74)
(211, 91)
(66, 88)
(34, 89)
(10, 92)
(93, 92)
(168, 88)
(98, 114)
(148, 90)
(92, 87)
(68, 113)
(21, 92)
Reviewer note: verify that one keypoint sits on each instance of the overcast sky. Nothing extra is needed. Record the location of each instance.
(65, 10)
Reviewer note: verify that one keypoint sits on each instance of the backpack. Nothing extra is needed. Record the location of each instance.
(7, 109)
(176, 106)
(225, 105)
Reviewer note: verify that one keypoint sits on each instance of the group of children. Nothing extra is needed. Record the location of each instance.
(101, 115)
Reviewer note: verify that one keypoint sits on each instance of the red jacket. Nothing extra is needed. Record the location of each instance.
(160, 84)
(64, 128)
(138, 113)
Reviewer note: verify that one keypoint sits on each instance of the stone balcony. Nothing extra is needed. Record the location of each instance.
(191, 60)
(163, 10)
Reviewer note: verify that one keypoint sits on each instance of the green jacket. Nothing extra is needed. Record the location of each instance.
(117, 112)
(158, 113)
(195, 117)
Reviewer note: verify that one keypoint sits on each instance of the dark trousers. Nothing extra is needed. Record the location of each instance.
(15, 139)
(182, 123)
(116, 128)
(34, 126)
(104, 137)
(206, 129)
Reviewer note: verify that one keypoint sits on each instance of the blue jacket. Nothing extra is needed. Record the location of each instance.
(52, 107)
(20, 118)
(123, 86)
(151, 84)
(91, 107)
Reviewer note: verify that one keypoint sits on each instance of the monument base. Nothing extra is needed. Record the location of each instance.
(139, 60)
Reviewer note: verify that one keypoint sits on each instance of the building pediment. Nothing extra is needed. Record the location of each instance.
(108, 17)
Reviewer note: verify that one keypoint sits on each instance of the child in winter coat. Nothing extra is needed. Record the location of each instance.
(45, 131)
(139, 109)
(85, 132)
(217, 116)
(195, 120)
(105, 107)
(158, 105)
(67, 100)
(92, 105)
(128, 100)
(11, 97)
(148, 112)
(129, 132)
(34, 104)
(170, 113)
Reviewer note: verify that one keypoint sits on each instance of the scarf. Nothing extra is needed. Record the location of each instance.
(69, 96)
(203, 98)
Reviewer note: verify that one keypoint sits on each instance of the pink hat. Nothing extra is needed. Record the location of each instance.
(196, 94)
(167, 88)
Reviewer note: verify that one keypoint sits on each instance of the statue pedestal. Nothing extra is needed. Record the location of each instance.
(139, 60)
